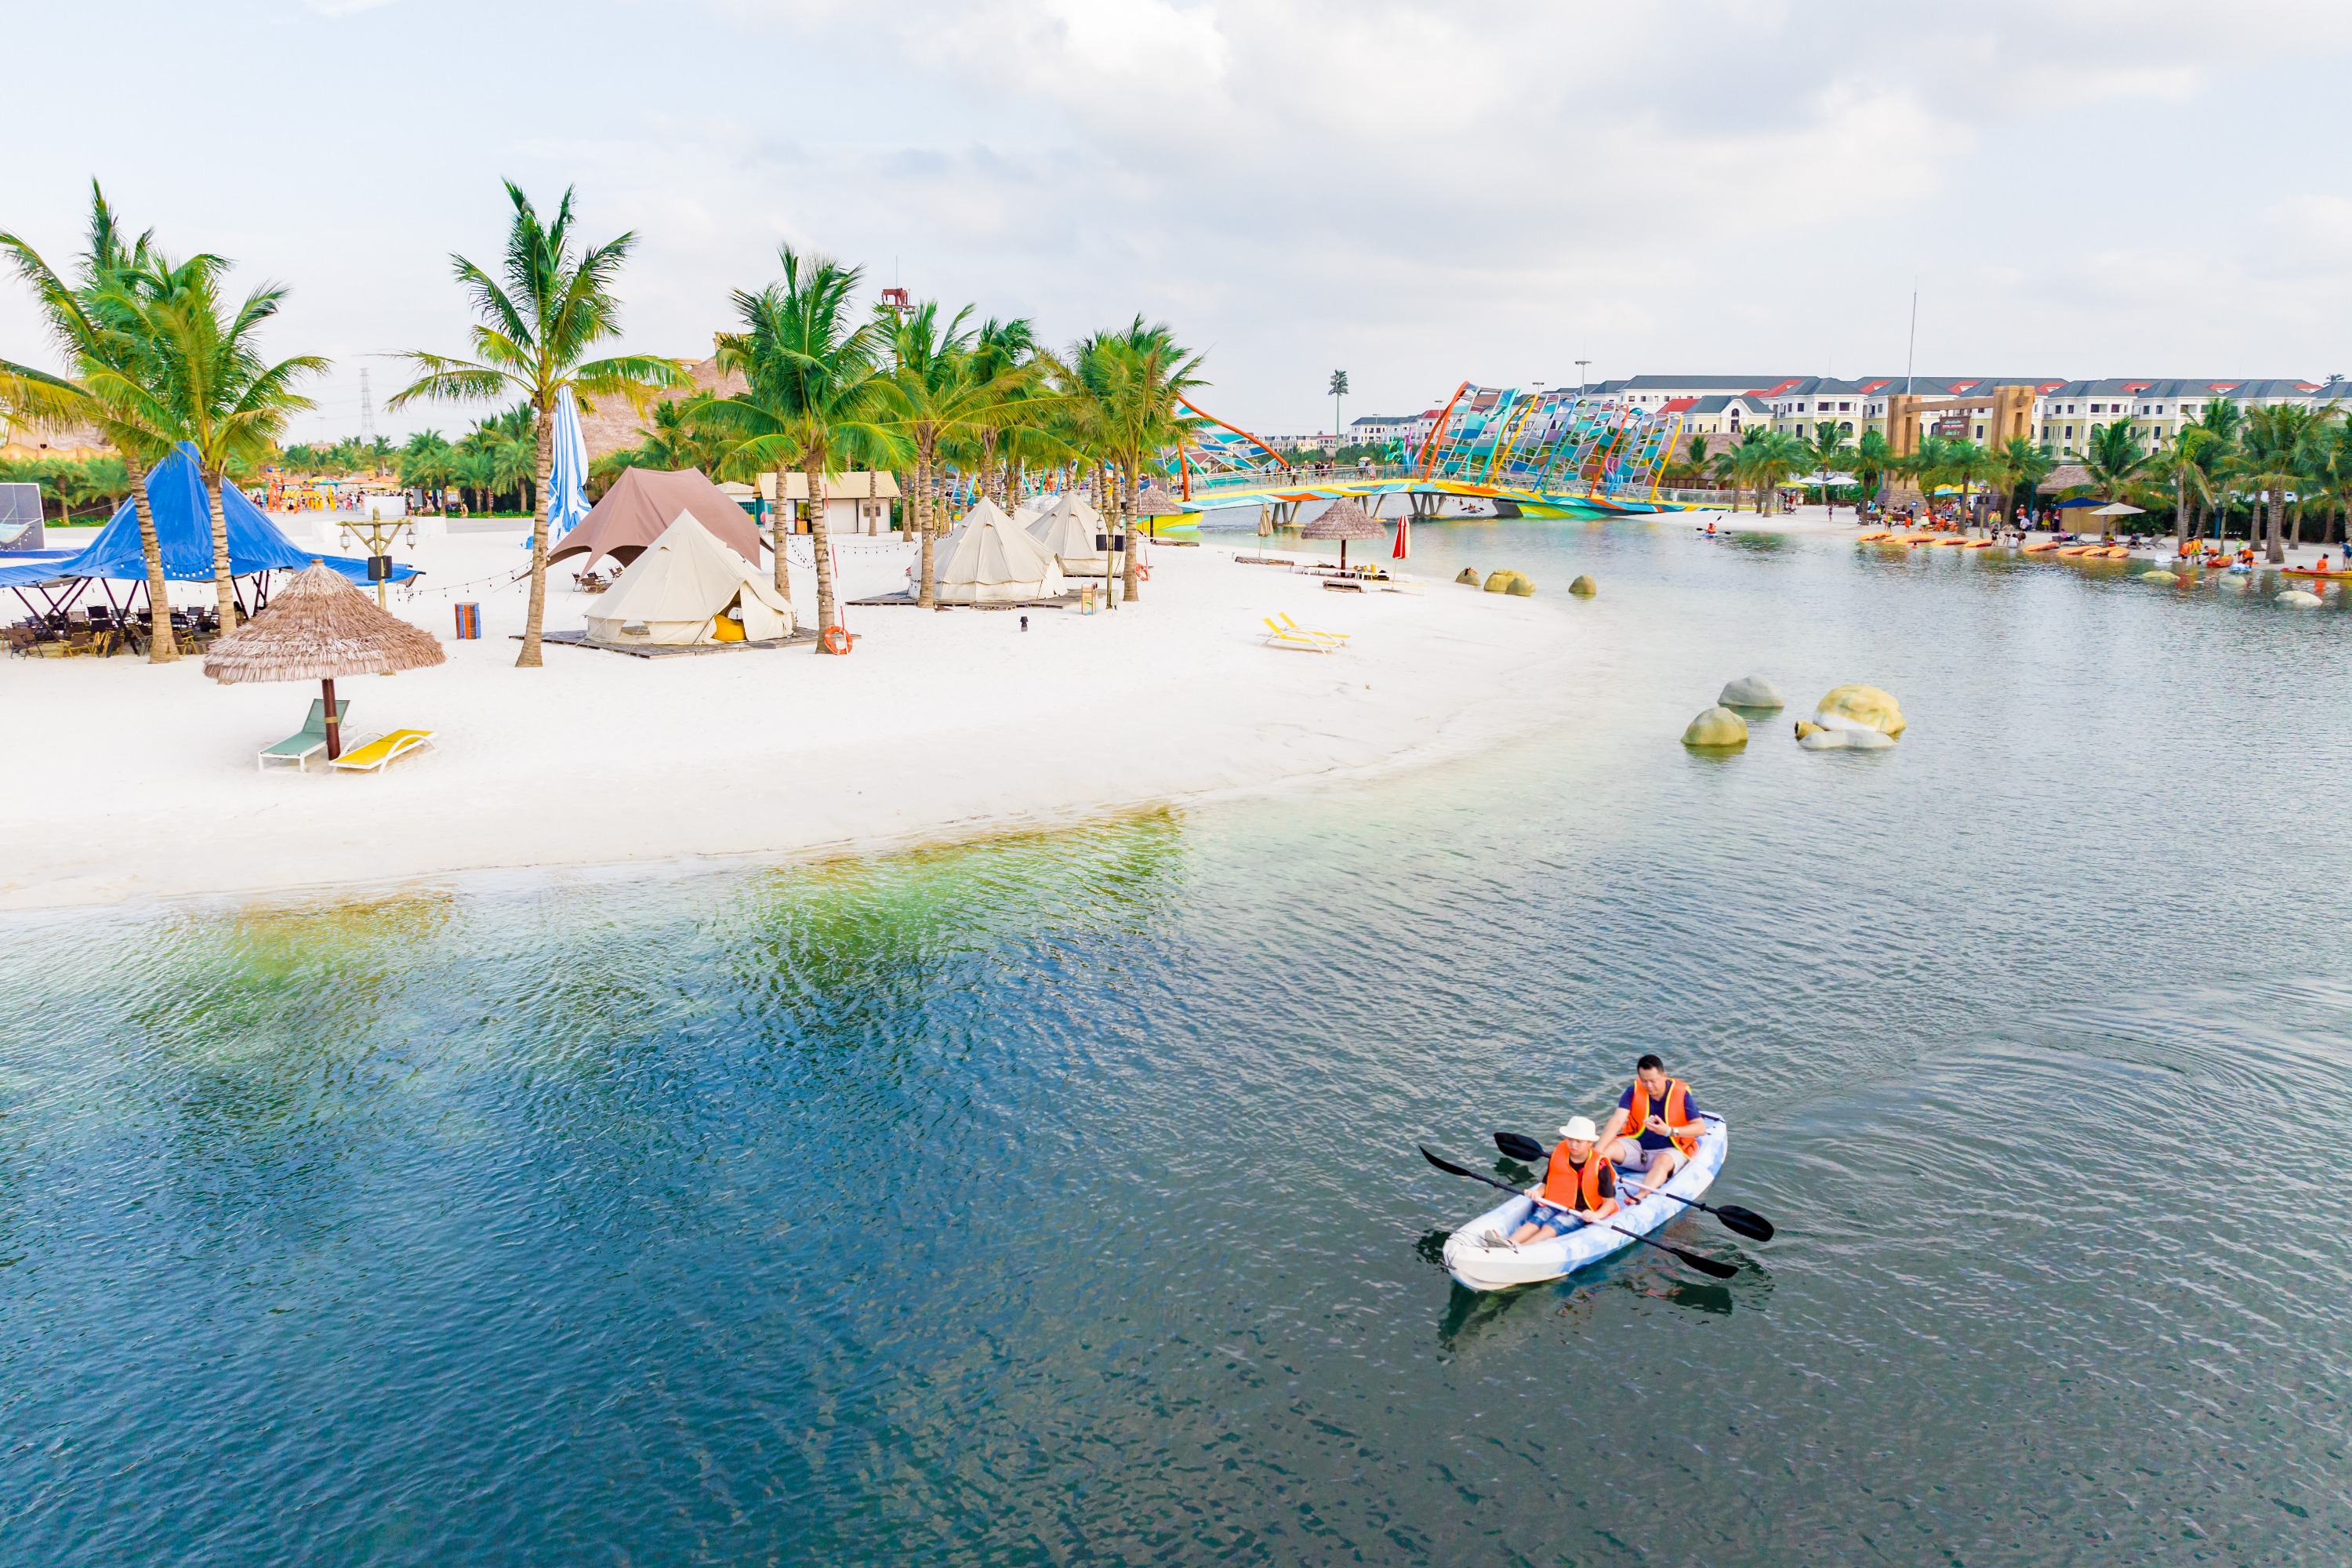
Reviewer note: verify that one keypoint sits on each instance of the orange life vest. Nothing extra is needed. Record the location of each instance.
(1577, 1187)
(1677, 1113)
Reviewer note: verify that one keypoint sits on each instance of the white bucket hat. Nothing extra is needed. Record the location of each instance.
(1580, 1129)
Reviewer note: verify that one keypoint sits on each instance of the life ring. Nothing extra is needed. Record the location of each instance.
(1142, 573)
(837, 638)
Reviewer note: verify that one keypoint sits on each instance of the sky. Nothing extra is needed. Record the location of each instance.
(1420, 193)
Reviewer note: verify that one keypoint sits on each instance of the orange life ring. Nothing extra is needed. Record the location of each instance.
(836, 638)
(1142, 573)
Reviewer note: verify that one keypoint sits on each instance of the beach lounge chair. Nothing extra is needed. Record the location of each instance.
(1283, 636)
(1315, 631)
(383, 750)
(310, 741)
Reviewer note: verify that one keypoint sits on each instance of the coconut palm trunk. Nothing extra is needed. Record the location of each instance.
(820, 541)
(929, 591)
(1132, 509)
(536, 620)
(223, 585)
(2273, 543)
(162, 648)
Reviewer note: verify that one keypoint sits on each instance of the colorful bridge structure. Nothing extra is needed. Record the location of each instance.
(1556, 453)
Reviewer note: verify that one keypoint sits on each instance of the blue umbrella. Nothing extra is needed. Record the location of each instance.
(567, 495)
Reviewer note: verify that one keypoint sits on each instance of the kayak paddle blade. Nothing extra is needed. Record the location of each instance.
(1746, 1222)
(1707, 1265)
(1520, 1147)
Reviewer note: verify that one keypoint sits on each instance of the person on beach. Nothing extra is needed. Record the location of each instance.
(1655, 1126)
(1578, 1187)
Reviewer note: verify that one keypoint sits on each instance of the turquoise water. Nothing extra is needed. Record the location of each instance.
(1054, 1200)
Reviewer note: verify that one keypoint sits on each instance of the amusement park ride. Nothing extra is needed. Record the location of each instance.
(1542, 452)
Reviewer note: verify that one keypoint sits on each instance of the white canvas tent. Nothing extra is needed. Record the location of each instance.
(988, 560)
(681, 582)
(1068, 529)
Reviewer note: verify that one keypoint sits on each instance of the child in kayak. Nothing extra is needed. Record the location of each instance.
(1578, 1187)
(1657, 1126)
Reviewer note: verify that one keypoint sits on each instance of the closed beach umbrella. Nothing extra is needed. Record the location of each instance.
(1403, 551)
(1343, 520)
(567, 486)
(318, 628)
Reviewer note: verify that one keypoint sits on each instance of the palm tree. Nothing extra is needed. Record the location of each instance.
(1874, 458)
(2023, 466)
(1004, 359)
(97, 325)
(2115, 459)
(2272, 459)
(929, 401)
(817, 397)
(1139, 378)
(229, 405)
(2186, 461)
(555, 304)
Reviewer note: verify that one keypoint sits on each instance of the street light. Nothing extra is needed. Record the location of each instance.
(1580, 375)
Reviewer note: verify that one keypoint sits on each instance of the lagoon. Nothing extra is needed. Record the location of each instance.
(1053, 1199)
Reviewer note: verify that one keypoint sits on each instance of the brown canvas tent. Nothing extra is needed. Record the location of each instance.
(639, 508)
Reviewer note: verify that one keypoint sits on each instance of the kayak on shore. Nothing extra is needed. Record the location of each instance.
(1475, 1267)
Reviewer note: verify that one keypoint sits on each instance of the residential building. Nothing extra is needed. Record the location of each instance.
(1376, 429)
(1654, 391)
(1719, 415)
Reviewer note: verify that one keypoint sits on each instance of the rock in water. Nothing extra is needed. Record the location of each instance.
(1807, 727)
(1716, 730)
(1521, 585)
(1584, 587)
(1509, 581)
(1864, 705)
(2161, 579)
(1469, 575)
(2300, 599)
(1752, 691)
(1857, 740)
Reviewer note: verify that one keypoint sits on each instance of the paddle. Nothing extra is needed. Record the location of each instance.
(1745, 1221)
(1707, 1265)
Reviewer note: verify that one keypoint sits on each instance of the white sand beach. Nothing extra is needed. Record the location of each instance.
(141, 782)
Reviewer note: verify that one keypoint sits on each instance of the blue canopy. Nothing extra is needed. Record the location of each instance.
(183, 526)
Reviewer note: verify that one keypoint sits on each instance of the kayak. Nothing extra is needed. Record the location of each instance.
(1477, 1268)
(2308, 571)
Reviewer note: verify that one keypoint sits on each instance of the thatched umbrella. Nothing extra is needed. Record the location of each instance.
(1156, 506)
(318, 628)
(1343, 520)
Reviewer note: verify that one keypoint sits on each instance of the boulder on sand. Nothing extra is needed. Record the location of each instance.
(1509, 581)
(1584, 587)
(2300, 599)
(1866, 705)
(1753, 691)
(1716, 730)
(1469, 575)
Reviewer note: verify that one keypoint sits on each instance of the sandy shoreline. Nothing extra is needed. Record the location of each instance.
(142, 783)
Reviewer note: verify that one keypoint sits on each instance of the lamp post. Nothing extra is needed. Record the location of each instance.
(1580, 375)
(378, 536)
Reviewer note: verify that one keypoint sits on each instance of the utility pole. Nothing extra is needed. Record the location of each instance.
(367, 411)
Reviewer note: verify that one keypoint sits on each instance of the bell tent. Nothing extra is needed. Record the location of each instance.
(641, 505)
(1067, 531)
(988, 560)
(678, 586)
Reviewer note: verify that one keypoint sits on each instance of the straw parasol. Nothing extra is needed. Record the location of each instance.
(1149, 505)
(1343, 520)
(318, 628)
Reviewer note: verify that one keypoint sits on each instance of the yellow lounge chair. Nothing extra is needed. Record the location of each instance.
(374, 756)
(1283, 636)
(1314, 631)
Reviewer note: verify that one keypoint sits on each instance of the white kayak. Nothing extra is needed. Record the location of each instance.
(1481, 1268)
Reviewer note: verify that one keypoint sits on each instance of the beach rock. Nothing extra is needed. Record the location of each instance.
(2300, 599)
(1505, 582)
(1716, 730)
(1469, 575)
(1807, 727)
(1522, 585)
(1866, 705)
(1752, 691)
(1843, 739)
(1584, 587)
(2161, 579)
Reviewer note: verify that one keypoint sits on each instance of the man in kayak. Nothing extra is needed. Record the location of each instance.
(1655, 1127)
(1578, 1187)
